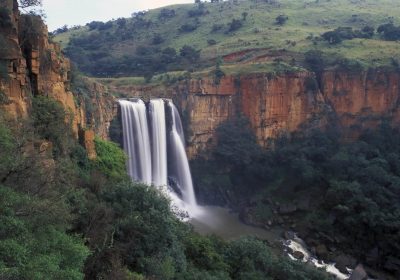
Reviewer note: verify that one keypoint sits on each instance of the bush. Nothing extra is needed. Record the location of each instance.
(389, 31)
(235, 24)
(281, 19)
(157, 39)
(186, 28)
(211, 42)
(217, 27)
(110, 159)
(166, 14)
(52, 123)
(315, 61)
(189, 53)
(333, 37)
(32, 245)
(199, 11)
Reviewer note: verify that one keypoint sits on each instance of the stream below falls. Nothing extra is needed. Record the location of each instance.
(227, 225)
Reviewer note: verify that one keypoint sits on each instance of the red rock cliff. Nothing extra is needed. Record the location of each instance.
(33, 65)
(283, 103)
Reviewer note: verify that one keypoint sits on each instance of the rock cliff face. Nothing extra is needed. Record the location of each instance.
(32, 65)
(362, 100)
(285, 103)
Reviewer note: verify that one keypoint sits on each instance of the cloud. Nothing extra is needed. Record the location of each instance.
(80, 12)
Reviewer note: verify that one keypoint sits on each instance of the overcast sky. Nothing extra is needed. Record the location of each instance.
(80, 12)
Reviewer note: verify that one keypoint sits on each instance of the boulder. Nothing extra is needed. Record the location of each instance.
(289, 235)
(321, 251)
(344, 261)
(359, 273)
(298, 255)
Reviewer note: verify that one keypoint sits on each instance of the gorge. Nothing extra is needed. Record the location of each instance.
(289, 132)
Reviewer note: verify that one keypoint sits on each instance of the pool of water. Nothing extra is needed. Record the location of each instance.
(227, 225)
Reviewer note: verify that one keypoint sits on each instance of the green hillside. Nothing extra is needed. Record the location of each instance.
(138, 46)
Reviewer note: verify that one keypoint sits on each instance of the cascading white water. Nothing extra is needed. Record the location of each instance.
(177, 122)
(178, 162)
(159, 142)
(136, 140)
(151, 162)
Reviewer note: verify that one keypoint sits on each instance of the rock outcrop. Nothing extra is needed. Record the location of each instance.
(32, 65)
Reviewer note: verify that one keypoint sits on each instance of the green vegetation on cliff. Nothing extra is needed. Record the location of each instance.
(345, 196)
(155, 41)
(66, 217)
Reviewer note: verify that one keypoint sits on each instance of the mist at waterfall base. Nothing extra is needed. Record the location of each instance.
(154, 141)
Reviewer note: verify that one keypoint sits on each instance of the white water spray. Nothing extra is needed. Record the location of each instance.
(145, 143)
(159, 142)
(136, 140)
(178, 162)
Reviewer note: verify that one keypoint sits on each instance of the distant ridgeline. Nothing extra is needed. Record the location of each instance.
(192, 37)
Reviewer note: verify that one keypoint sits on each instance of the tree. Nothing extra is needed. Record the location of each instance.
(368, 31)
(390, 32)
(235, 25)
(52, 123)
(157, 39)
(333, 37)
(244, 16)
(218, 73)
(281, 19)
(189, 53)
(23, 4)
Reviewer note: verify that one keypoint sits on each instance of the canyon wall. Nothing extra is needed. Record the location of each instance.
(32, 65)
(279, 104)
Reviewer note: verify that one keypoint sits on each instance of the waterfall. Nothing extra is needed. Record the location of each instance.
(159, 142)
(157, 153)
(136, 140)
(178, 162)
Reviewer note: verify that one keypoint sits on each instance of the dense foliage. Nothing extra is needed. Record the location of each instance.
(354, 188)
(66, 217)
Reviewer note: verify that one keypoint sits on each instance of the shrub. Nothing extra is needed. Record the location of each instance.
(217, 27)
(333, 37)
(311, 84)
(389, 31)
(199, 11)
(110, 159)
(166, 14)
(157, 39)
(189, 53)
(281, 19)
(52, 123)
(211, 42)
(187, 28)
(235, 24)
(32, 245)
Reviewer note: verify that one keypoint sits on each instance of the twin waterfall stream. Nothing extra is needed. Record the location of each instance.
(154, 141)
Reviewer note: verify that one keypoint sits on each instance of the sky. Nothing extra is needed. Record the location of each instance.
(80, 12)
